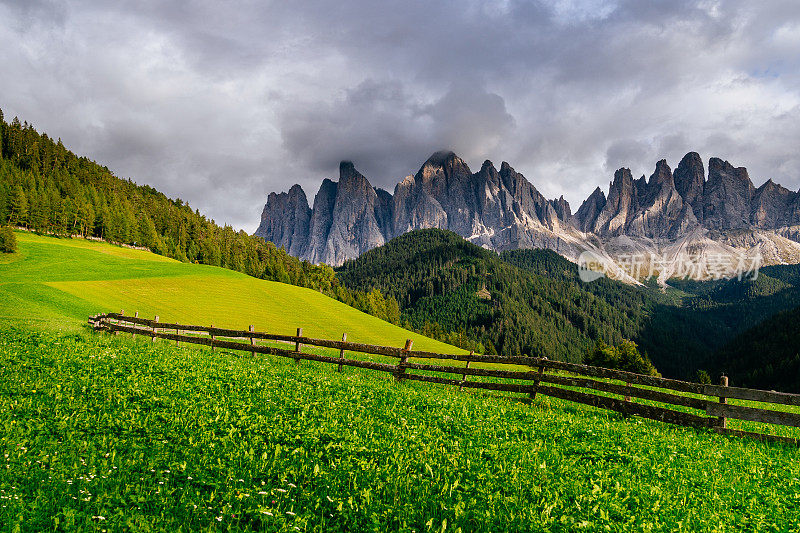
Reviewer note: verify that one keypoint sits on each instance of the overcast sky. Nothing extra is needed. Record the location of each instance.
(220, 103)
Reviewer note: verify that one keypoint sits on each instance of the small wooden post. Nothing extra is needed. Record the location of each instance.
(177, 332)
(464, 376)
(723, 381)
(401, 368)
(121, 312)
(297, 345)
(341, 352)
(251, 329)
(154, 328)
(212, 337)
(532, 395)
(136, 315)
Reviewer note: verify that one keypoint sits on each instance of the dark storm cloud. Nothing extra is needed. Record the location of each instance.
(220, 103)
(389, 133)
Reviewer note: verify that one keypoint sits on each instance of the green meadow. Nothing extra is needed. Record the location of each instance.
(118, 434)
(55, 284)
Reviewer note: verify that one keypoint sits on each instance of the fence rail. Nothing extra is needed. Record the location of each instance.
(709, 400)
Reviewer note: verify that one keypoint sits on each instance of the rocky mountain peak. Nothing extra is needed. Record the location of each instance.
(622, 186)
(443, 161)
(690, 177)
(590, 209)
(488, 166)
(346, 169)
(285, 220)
(502, 210)
(727, 196)
(662, 175)
(562, 208)
(350, 179)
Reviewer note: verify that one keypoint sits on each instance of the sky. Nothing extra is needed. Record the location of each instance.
(220, 103)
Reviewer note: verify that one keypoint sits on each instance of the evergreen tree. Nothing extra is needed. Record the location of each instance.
(19, 207)
(8, 241)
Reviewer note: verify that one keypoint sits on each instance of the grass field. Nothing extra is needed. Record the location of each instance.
(113, 433)
(55, 284)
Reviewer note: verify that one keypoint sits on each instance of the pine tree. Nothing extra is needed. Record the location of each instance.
(2, 127)
(19, 207)
(8, 241)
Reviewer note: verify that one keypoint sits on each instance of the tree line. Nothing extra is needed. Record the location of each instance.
(46, 188)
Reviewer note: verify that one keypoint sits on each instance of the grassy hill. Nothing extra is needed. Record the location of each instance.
(56, 283)
(49, 189)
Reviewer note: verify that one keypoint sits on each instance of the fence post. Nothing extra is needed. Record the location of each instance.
(341, 352)
(401, 368)
(536, 381)
(723, 381)
(154, 328)
(121, 312)
(251, 329)
(211, 334)
(297, 345)
(136, 315)
(464, 376)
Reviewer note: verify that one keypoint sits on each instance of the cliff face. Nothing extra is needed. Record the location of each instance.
(669, 211)
(286, 219)
(727, 196)
(348, 218)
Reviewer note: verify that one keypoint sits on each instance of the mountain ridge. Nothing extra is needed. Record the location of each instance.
(673, 214)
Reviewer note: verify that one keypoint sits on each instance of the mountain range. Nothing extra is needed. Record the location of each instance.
(679, 217)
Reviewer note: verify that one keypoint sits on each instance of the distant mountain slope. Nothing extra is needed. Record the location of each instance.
(442, 281)
(673, 218)
(766, 356)
(674, 326)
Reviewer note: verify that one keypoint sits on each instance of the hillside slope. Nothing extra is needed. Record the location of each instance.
(57, 283)
(672, 326)
(443, 282)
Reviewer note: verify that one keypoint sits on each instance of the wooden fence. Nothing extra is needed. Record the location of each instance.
(708, 403)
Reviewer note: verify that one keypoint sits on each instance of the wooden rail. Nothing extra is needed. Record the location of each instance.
(710, 401)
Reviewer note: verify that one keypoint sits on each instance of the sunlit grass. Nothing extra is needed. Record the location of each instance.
(55, 284)
(105, 432)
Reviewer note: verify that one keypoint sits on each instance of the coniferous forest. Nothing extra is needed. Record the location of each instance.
(46, 188)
